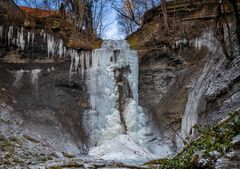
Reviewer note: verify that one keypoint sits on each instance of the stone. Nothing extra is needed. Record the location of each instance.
(57, 154)
(68, 154)
(3, 105)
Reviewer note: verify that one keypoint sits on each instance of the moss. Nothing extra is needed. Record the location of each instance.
(154, 26)
(43, 157)
(55, 167)
(98, 44)
(217, 138)
(56, 24)
(133, 41)
(5, 144)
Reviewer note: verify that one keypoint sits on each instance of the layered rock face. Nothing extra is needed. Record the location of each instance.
(38, 78)
(74, 99)
(185, 78)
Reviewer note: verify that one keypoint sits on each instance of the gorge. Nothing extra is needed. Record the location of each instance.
(114, 125)
(67, 100)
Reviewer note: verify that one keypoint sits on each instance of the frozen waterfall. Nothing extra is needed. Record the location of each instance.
(117, 126)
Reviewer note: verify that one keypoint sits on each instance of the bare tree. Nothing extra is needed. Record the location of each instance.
(219, 32)
(130, 13)
(165, 15)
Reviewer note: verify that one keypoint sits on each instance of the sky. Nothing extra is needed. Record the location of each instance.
(112, 31)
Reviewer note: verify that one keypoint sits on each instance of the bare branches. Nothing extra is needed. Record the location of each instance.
(130, 13)
(165, 16)
(131, 17)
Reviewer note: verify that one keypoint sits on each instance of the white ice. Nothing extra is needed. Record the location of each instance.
(108, 138)
(10, 34)
(18, 77)
(34, 77)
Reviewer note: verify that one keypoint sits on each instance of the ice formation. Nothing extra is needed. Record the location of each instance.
(206, 40)
(18, 77)
(199, 88)
(10, 35)
(28, 37)
(111, 74)
(34, 77)
(50, 45)
(56, 48)
(20, 39)
(118, 127)
(180, 43)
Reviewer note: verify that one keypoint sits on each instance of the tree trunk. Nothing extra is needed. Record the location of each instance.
(237, 17)
(220, 31)
(81, 13)
(165, 16)
(89, 17)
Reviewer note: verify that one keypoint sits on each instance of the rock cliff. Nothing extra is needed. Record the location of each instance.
(185, 78)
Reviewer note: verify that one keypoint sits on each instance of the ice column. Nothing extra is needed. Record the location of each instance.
(102, 85)
(20, 39)
(28, 38)
(10, 35)
(60, 48)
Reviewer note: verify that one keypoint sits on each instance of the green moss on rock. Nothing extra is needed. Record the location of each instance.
(215, 140)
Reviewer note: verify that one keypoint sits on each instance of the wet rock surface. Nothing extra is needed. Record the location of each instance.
(231, 160)
(185, 78)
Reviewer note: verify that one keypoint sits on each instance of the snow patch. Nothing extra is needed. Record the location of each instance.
(122, 147)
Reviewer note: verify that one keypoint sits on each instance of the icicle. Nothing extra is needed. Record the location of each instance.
(198, 44)
(87, 58)
(44, 37)
(20, 39)
(180, 43)
(76, 58)
(60, 48)
(51, 46)
(28, 38)
(10, 34)
(94, 59)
